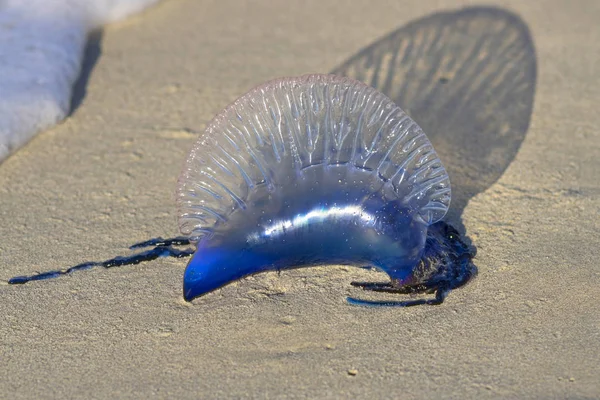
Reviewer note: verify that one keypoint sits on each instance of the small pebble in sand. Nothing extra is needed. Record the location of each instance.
(288, 320)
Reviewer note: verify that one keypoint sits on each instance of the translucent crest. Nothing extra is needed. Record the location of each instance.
(266, 139)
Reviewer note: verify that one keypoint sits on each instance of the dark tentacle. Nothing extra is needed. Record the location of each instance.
(372, 285)
(370, 303)
(440, 296)
(446, 264)
(177, 241)
(388, 287)
(148, 255)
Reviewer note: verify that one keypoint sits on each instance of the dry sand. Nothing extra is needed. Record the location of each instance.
(527, 327)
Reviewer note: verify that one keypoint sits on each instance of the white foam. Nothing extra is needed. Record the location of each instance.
(41, 51)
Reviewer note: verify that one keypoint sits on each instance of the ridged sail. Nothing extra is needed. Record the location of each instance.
(266, 139)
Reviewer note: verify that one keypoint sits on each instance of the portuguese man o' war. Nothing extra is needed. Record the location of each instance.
(319, 170)
(308, 171)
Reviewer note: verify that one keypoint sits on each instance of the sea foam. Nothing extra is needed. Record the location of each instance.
(41, 53)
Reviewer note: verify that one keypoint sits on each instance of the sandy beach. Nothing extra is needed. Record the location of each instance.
(523, 152)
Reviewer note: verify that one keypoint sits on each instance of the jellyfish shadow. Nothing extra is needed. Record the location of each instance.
(467, 77)
(91, 54)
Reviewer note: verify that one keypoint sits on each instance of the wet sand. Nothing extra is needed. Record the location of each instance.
(526, 193)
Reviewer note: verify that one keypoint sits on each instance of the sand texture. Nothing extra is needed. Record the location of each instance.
(510, 104)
